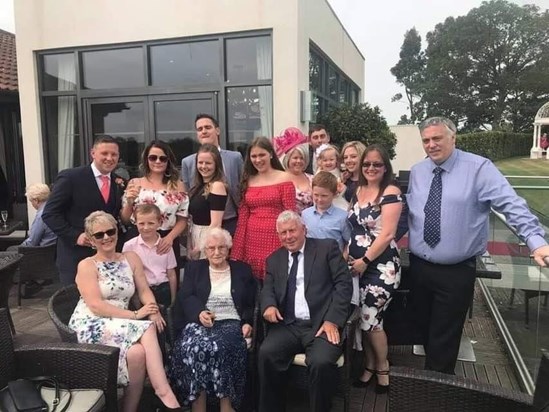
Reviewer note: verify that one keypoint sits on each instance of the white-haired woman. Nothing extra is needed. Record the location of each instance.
(39, 233)
(106, 282)
(212, 317)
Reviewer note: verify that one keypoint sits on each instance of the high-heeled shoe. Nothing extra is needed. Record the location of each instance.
(357, 383)
(382, 389)
(166, 409)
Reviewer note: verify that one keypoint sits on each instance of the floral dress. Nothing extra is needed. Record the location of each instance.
(117, 287)
(382, 275)
(171, 205)
(304, 198)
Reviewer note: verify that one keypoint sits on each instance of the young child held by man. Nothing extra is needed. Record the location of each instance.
(160, 270)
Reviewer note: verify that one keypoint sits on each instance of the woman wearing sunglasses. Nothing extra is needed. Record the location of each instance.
(373, 255)
(106, 282)
(160, 185)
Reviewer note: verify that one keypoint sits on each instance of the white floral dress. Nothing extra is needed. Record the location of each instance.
(171, 205)
(382, 276)
(117, 287)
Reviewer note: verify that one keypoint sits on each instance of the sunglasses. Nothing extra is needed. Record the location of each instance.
(154, 158)
(101, 235)
(375, 165)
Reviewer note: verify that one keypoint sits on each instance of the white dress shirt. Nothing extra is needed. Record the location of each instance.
(301, 306)
(98, 175)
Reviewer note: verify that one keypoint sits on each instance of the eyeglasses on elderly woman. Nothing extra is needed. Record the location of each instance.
(212, 249)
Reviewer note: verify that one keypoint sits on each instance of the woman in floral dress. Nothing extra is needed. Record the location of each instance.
(373, 255)
(267, 190)
(160, 185)
(106, 282)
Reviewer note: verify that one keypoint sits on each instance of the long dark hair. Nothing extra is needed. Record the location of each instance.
(249, 169)
(388, 176)
(218, 176)
(171, 175)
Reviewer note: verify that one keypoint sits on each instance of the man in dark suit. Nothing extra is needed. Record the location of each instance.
(305, 300)
(207, 131)
(76, 193)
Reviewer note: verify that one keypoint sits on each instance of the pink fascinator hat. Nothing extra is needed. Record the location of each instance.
(290, 138)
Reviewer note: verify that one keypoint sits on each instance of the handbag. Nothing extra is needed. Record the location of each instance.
(23, 395)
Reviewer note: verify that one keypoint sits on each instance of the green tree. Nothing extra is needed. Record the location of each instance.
(409, 72)
(358, 122)
(489, 68)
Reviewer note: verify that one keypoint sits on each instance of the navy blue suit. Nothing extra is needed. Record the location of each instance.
(75, 195)
(196, 287)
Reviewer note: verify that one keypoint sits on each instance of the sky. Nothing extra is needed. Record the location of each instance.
(377, 28)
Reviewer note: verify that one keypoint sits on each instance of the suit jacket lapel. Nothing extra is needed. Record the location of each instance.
(94, 188)
(283, 268)
(309, 259)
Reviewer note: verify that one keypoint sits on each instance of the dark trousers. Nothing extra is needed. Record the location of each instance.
(441, 295)
(276, 354)
(230, 225)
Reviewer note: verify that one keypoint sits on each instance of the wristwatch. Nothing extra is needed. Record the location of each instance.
(366, 260)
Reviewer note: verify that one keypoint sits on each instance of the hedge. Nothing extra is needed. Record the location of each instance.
(495, 145)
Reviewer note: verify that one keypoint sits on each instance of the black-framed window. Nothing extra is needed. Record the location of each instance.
(231, 73)
(330, 87)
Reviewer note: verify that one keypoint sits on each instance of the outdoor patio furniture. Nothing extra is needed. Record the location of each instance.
(82, 366)
(9, 261)
(60, 308)
(38, 263)
(297, 374)
(414, 390)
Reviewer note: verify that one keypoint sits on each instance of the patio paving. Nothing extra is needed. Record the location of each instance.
(33, 325)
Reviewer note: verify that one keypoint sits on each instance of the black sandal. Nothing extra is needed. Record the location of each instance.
(382, 389)
(357, 383)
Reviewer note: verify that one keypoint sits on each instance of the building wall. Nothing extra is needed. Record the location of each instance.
(409, 149)
(52, 24)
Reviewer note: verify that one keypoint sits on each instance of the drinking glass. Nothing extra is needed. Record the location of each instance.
(5, 217)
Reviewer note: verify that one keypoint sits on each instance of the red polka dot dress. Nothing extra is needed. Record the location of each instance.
(256, 238)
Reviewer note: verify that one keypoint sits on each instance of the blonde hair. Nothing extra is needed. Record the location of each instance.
(358, 146)
(38, 192)
(98, 217)
(303, 150)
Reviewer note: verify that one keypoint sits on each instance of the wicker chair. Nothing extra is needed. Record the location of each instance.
(75, 365)
(415, 390)
(60, 308)
(38, 263)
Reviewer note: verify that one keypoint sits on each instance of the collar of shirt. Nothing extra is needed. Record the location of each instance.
(449, 163)
(290, 258)
(97, 173)
(140, 241)
(328, 211)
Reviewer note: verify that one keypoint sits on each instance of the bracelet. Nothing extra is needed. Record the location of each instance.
(135, 314)
(366, 260)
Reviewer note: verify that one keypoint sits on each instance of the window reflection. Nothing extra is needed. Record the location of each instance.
(59, 72)
(187, 63)
(249, 114)
(248, 59)
(62, 136)
(118, 68)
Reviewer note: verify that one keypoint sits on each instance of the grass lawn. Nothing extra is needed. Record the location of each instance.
(538, 199)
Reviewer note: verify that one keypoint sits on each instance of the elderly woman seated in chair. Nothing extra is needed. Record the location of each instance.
(212, 317)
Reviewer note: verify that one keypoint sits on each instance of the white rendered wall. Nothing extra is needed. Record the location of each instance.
(409, 149)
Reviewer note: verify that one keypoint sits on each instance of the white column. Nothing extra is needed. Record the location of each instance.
(535, 151)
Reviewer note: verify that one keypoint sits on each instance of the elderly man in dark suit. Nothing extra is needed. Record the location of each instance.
(207, 131)
(305, 300)
(76, 193)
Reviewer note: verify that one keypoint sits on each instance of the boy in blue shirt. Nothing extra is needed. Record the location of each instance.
(324, 220)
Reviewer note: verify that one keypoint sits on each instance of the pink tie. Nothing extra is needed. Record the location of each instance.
(105, 187)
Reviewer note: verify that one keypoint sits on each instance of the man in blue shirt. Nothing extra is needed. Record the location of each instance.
(449, 197)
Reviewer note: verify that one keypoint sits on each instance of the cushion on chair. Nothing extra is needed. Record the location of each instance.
(83, 400)
(299, 360)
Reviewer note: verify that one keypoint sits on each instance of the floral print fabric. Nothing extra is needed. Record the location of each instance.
(117, 287)
(382, 276)
(171, 205)
(209, 359)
